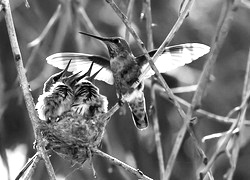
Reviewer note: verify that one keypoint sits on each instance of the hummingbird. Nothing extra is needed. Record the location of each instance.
(57, 96)
(123, 68)
(75, 124)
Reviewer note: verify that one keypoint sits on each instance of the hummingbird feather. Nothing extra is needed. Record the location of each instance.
(174, 57)
(81, 62)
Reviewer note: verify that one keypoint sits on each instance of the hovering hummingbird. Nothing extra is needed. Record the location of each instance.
(123, 68)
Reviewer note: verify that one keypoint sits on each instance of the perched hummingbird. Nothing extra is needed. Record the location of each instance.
(123, 68)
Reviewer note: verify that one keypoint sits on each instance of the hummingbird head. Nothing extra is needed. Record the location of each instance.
(55, 78)
(117, 46)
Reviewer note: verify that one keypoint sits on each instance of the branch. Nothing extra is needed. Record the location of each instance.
(224, 23)
(129, 15)
(153, 108)
(36, 44)
(32, 169)
(228, 135)
(24, 83)
(157, 134)
(236, 145)
(117, 162)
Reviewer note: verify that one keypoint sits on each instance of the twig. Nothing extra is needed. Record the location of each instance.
(26, 166)
(221, 33)
(24, 83)
(184, 89)
(157, 134)
(228, 135)
(128, 168)
(86, 22)
(129, 15)
(57, 44)
(32, 168)
(210, 115)
(52, 21)
(76, 21)
(153, 108)
(236, 142)
(109, 113)
(36, 44)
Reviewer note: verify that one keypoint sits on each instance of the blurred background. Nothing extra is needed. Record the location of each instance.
(125, 142)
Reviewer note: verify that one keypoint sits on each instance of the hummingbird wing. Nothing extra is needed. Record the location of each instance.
(82, 62)
(174, 57)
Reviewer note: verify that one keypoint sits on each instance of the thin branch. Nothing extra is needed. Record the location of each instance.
(62, 29)
(184, 89)
(157, 134)
(129, 15)
(32, 168)
(224, 140)
(153, 108)
(217, 42)
(24, 83)
(36, 44)
(117, 162)
(86, 22)
(52, 21)
(171, 34)
(236, 142)
(27, 165)
(210, 115)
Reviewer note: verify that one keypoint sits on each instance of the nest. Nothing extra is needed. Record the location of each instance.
(72, 136)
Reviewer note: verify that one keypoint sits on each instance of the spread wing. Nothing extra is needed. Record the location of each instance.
(82, 62)
(174, 57)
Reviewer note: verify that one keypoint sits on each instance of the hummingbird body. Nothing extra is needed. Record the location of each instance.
(55, 102)
(88, 101)
(57, 96)
(126, 72)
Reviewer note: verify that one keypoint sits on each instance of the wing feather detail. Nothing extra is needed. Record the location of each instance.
(174, 57)
(82, 62)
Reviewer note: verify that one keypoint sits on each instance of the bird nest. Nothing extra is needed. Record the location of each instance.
(71, 136)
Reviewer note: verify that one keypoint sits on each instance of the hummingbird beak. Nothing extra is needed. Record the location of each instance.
(91, 78)
(94, 36)
(73, 79)
(106, 40)
(89, 71)
(62, 73)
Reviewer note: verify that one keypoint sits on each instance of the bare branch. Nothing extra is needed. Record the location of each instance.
(129, 15)
(117, 162)
(224, 23)
(157, 134)
(24, 83)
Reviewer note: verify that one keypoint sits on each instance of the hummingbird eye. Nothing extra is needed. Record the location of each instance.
(116, 41)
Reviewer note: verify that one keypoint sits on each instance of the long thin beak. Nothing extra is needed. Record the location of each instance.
(94, 36)
(93, 76)
(73, 79)
(62, 73)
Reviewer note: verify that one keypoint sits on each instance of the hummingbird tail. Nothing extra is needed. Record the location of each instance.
(138, 110)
